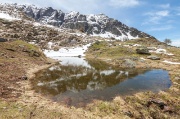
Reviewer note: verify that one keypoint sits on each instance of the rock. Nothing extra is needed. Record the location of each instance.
(33, 53)
(1, 64)
(135, 45)
(142, 51)
(3, 40)
(177, 78)
(129, 63)
(24, 77)
(159, 103)
(167, 109)
(79, 56)
(10, 49)
(152, 48)
(153, 57)
(48, 63)
(128, 113)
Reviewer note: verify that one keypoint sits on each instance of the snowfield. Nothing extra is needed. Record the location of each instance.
(67, 52)
(8, 17)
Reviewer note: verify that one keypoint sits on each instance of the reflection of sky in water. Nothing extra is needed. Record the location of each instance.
(76, 79)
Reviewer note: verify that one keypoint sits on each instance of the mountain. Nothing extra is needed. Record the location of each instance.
(97, 25)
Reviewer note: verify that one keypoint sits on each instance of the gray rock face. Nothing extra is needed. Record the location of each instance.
(44, 15)
(91, 24)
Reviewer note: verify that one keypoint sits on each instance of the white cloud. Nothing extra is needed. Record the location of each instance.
(162, 28)
(164, 6)
(177, 11)
(162, 13)
(155, 17)
(124, 3)
(83, 6)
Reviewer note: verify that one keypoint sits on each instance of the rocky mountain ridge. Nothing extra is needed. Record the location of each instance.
(98, 25)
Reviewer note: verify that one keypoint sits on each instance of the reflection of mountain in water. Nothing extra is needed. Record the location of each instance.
(100, 81)
(59, 79)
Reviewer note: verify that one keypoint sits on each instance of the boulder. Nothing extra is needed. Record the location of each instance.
(24, 77)
(3, 40)
(129, 63)
(142, 51)
(153, 57)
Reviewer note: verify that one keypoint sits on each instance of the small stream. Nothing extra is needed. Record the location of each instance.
(77, 82)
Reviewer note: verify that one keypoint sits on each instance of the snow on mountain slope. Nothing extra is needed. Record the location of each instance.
(8, 17)
(95, 25)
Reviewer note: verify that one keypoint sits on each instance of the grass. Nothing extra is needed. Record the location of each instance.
(14, 110)
(110, 50)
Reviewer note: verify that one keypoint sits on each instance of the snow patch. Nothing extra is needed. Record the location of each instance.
(8, 17)
(110, 35)
(68, 52)
(169, 62)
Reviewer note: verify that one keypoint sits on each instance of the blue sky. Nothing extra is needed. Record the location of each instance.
(159, 18)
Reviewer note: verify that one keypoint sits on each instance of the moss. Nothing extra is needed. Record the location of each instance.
(21, 43)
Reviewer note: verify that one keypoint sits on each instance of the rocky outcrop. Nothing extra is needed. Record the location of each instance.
(142, 51)
(90, 24)
(129, 63)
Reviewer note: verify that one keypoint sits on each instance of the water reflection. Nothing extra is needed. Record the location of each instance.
(79, 84)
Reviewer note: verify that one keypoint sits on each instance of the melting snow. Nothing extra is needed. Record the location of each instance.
(110, 35)
(68, 52)
(169, 62)
(8, 17)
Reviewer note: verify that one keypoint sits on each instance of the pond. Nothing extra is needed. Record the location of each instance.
(77, 82)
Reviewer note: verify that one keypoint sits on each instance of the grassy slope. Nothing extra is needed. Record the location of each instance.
(15, 58)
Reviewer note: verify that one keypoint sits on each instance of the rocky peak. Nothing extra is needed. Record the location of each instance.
(99, 24)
